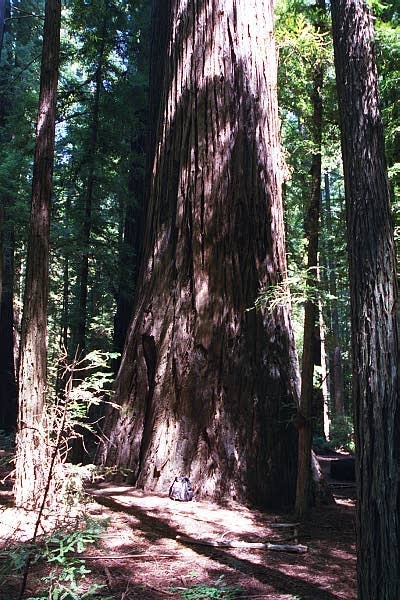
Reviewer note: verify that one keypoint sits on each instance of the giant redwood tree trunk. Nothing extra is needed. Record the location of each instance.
(205, 388)
(374, 304)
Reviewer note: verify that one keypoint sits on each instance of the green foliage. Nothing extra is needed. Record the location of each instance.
(201, 591)
(298, 288)
(321, 445)
(58, 556)
(75, 410)
(342, 433)
(387, 28)
(92, 380)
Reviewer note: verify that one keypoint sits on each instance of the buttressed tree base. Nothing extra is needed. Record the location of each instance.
(206, 388)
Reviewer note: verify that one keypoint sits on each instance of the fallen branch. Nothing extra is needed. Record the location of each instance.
(5, 555)
(297, 548)
(285, 525)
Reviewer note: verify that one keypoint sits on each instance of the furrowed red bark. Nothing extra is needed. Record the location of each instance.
(206, 388)
(374, 304)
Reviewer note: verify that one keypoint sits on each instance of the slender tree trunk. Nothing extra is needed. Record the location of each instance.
(133, 210)
(335, 360)
(8, 382)
(206, 388)
(374, 304)
(1, 252)
(79, 337)
(3, 10)
(129, 250)
(80, 325)
(324, 375)
(304, 420)
(79, 342)
(65, 311)
(32, 449)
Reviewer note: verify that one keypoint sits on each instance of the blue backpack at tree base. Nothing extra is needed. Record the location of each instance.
(181, 490)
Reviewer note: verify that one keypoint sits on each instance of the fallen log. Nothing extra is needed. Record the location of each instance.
(296, 548)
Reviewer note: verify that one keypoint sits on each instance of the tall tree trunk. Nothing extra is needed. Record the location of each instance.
(79, 338)
(129, 249)
(324, 374)
(32, 450)
(77, 454)
(335, 354)
(304, 478)
(374, 304)
(79, 334)
(133, 209)
(3, 10)
(8, 382)
(65, 310)
(205, 387)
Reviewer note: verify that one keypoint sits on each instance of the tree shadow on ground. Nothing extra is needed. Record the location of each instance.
(277, 577)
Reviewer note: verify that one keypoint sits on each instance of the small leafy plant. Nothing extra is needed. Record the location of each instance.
(202, 591)
(59, 554)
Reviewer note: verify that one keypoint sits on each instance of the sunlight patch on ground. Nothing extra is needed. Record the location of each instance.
(197, 515)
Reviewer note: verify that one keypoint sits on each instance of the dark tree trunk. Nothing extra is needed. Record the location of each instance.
(311, 321)
(132, 230)
(32, 450)
(8, 382)
(130, 248)
(80, 323)
(79, 333)
(205, 388)
(374, 304)
(65, 311)
(3, 10)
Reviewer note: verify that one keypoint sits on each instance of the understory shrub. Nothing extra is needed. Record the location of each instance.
(59, 558)
(342, 433)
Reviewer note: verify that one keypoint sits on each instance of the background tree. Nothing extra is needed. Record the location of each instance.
(303, 50)
(205, 387)
(131, 204)
(336, 371)
(374, 303)
(32, 449)
(311, 318)
(387, 34)
(104, 85)
(8, 385)
(3, 12)
(18, 104)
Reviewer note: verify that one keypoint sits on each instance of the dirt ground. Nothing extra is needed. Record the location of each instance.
(140, 557)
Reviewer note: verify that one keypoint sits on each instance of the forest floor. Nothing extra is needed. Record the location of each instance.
(139, 556)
